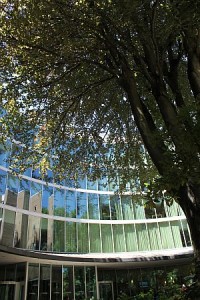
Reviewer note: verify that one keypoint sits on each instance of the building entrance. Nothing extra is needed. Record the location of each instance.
(106, 290)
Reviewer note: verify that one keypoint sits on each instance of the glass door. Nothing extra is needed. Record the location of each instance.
(106, 290)
(7, 291)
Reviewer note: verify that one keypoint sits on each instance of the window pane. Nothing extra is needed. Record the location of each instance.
(127, 208)
(56, 283)
(33, 277)
(131, 237)
(107, 242)
(59, 236)
(8, 228)
(68, 283)
(3, 155)
(82, 205)
(79, 283)
(95, 240)
(44, 282)
(2, 182)
(44, 227)
(12, 183)
(104, 207)
(115, 206)
(142, 235)
(71, 204)
(91, 283)
(119, 241)
(59, 202)
(33, 232)
(93, 206)
(47, 193)
(71, 237)
(82, 237)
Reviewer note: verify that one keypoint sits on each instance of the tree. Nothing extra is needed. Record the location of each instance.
(101, 79)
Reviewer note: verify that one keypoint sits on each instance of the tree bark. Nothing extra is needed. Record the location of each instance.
(189, 200)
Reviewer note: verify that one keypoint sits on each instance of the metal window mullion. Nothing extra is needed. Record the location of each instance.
(38, 297)
(88, 232)
(109, 207)
(88, 226)
(166, 209)
(136, 237)
(172, 234)
(100, 233)
(161, 241)
(189, 233)
(147, 230)
(133, 209)
(26, 281)
(97, 285)
(112, 235)
(2, 223)
(85, 285)
(65, 206)
(74, 290)
(120, 203)
(183, 234)
(77, 247)
(50, 281)
(124, 237)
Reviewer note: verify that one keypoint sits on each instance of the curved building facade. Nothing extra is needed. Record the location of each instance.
(63, 242)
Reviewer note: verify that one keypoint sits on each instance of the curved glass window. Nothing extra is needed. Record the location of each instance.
(93, 206)
(59, 202)
(90, 218)
(104, 204)
(82, 207)
(47, 194)
(71, 204)
(2, 182)
(12, 183)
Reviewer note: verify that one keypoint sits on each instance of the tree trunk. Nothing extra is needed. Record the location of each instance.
(189, 200)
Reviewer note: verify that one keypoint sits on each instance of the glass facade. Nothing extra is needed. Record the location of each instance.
(45, 217)
(35, 281)
(63, 219)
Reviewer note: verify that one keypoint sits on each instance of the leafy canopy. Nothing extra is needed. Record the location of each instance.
(103, 87)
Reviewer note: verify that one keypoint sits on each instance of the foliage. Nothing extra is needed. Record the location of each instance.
(171, 289)
(65, 89)
(106, 87)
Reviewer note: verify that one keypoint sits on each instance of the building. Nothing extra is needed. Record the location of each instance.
(58, 242)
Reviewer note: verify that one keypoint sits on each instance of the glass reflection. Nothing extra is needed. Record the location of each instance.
(79, 276)
(104, 204)
(33, 280)
(93, 206)
(68, 283)
(59, 234)
(44, 282)
(2, 182)
(44, 227)
(71, 237)
(71, 204)
(91, 283)
(12, 183)
(56, 283)
(3, 155)
(8, 228)
(46, 194)
(95, 240)
(82, 205)
(82, 237)
(59, 202)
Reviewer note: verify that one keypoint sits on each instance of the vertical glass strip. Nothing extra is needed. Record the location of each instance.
(68, 283)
